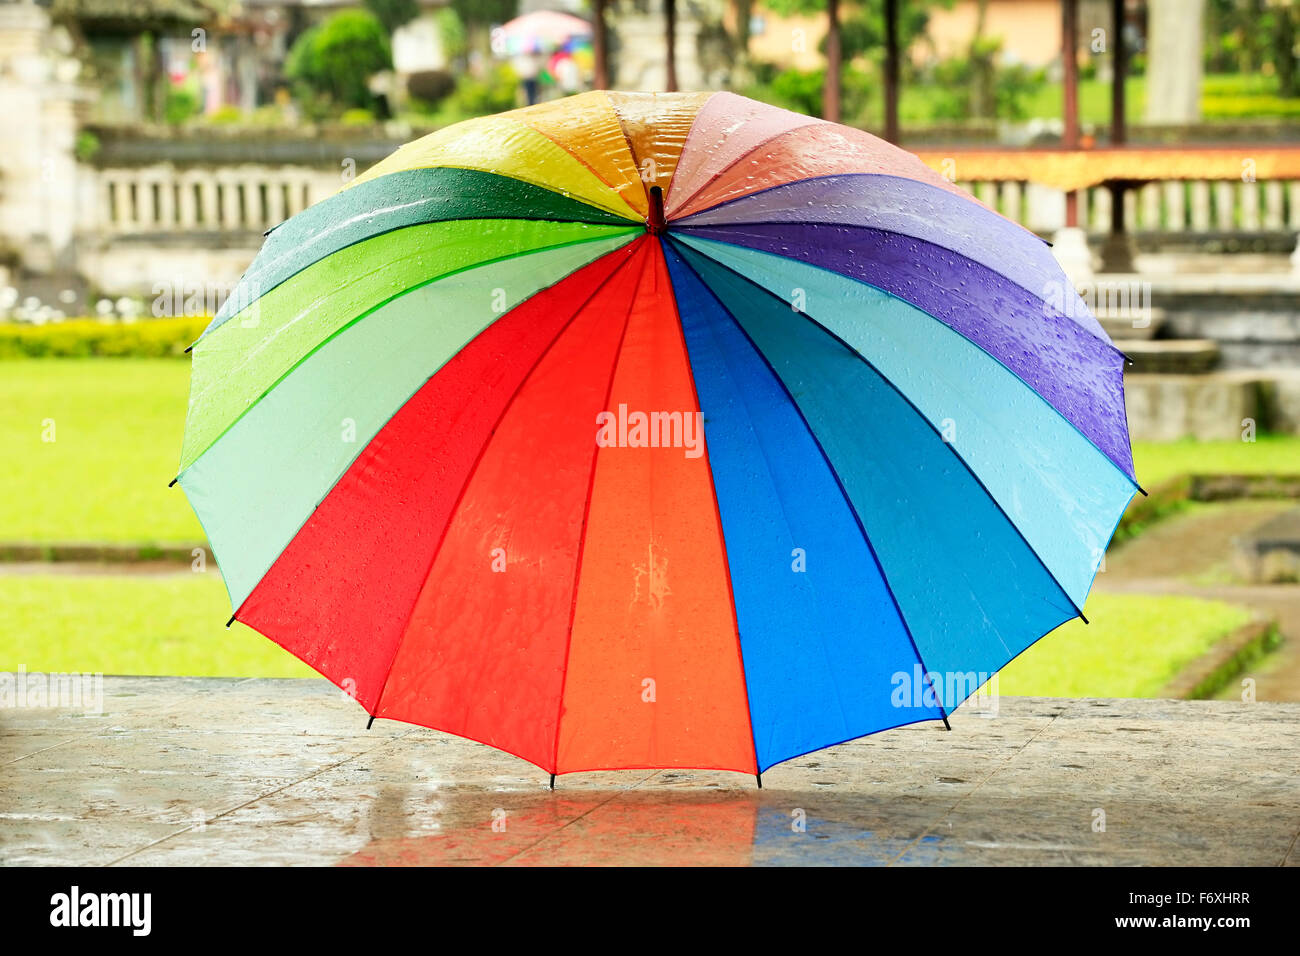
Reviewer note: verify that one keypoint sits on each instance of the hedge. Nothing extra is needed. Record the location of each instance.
(81, 338)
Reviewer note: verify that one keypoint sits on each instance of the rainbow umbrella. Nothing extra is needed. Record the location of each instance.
(645, 430)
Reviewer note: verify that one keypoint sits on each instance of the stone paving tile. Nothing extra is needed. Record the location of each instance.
(229, 772)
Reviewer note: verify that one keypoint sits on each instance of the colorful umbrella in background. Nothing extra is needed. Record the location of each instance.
(566, 67)
(655, 430)
(543, 31)
(546, 47)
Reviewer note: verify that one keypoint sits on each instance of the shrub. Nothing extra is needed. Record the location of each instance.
(430, 86)
(801, 90)
(181, 104)
(498, 91)
(334, 60)
(81, 338)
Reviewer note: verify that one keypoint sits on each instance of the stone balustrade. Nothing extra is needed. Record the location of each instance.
(1174, 206)
(163, 198)
(235, 199)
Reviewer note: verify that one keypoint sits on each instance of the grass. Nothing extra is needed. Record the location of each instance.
(1157, 462)
(1225, 97)
(116, 426)
(173, 624)
(1134, 646)
(117, 430)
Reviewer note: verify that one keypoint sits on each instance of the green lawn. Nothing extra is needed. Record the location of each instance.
(1133, 647)
(1157, 462)
(1224, 97)
(176, 625)
(116, 425)
(173, 624)
(117, 431)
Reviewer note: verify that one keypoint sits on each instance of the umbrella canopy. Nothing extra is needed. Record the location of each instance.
(543, 31)
(655, 430)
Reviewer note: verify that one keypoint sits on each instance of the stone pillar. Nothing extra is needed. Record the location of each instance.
(640, 63)
(1070, 246)
(39, 117)
(1174, 38)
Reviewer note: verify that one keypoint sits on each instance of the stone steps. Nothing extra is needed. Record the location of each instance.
(1231, 405)
(1127, 324)
(1170, 356)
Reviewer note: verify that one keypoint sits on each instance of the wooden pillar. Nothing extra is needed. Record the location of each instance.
(670, 40)
(1119, 69)
(891, 70)
(831, 92)
(599, 45)
(1070, 87)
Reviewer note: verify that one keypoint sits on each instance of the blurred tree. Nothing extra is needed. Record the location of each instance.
(336, 59)
(1284, 32)
(832, 47)
(451, 31)
(1251, 36)
(394, 13)
(485, 12)
(982, 56)
(861, 35)
(600, 44)
(670, 45)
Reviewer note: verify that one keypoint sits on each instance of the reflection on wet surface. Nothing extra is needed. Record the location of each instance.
(208, 772)
(652, 828)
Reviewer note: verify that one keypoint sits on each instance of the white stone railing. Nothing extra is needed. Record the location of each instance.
(233, 199)
(249, 198)
(1173, 206)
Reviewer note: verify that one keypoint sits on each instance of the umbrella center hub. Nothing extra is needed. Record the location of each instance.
(654, 222)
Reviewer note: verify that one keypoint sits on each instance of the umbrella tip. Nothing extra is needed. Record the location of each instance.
(1083, 617)
(172, 482)
(552, 781)
(946, 725)
(759, 778)
(371, 722)
(231, 621)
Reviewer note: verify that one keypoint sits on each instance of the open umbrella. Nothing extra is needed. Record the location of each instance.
(655, 430)
(542, 31)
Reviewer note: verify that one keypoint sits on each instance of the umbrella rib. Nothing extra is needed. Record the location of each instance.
(565, 146)
(722, 535)
(434, 164)
(884, 378)
(907, 154)
(411, 224)
(338, 215)
(483, 448)
(834, 472)
(628, 231)
(630, 150)
(733, 164)
(974, 203)
(746, 223)
(582, 531)
(1120, 468)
